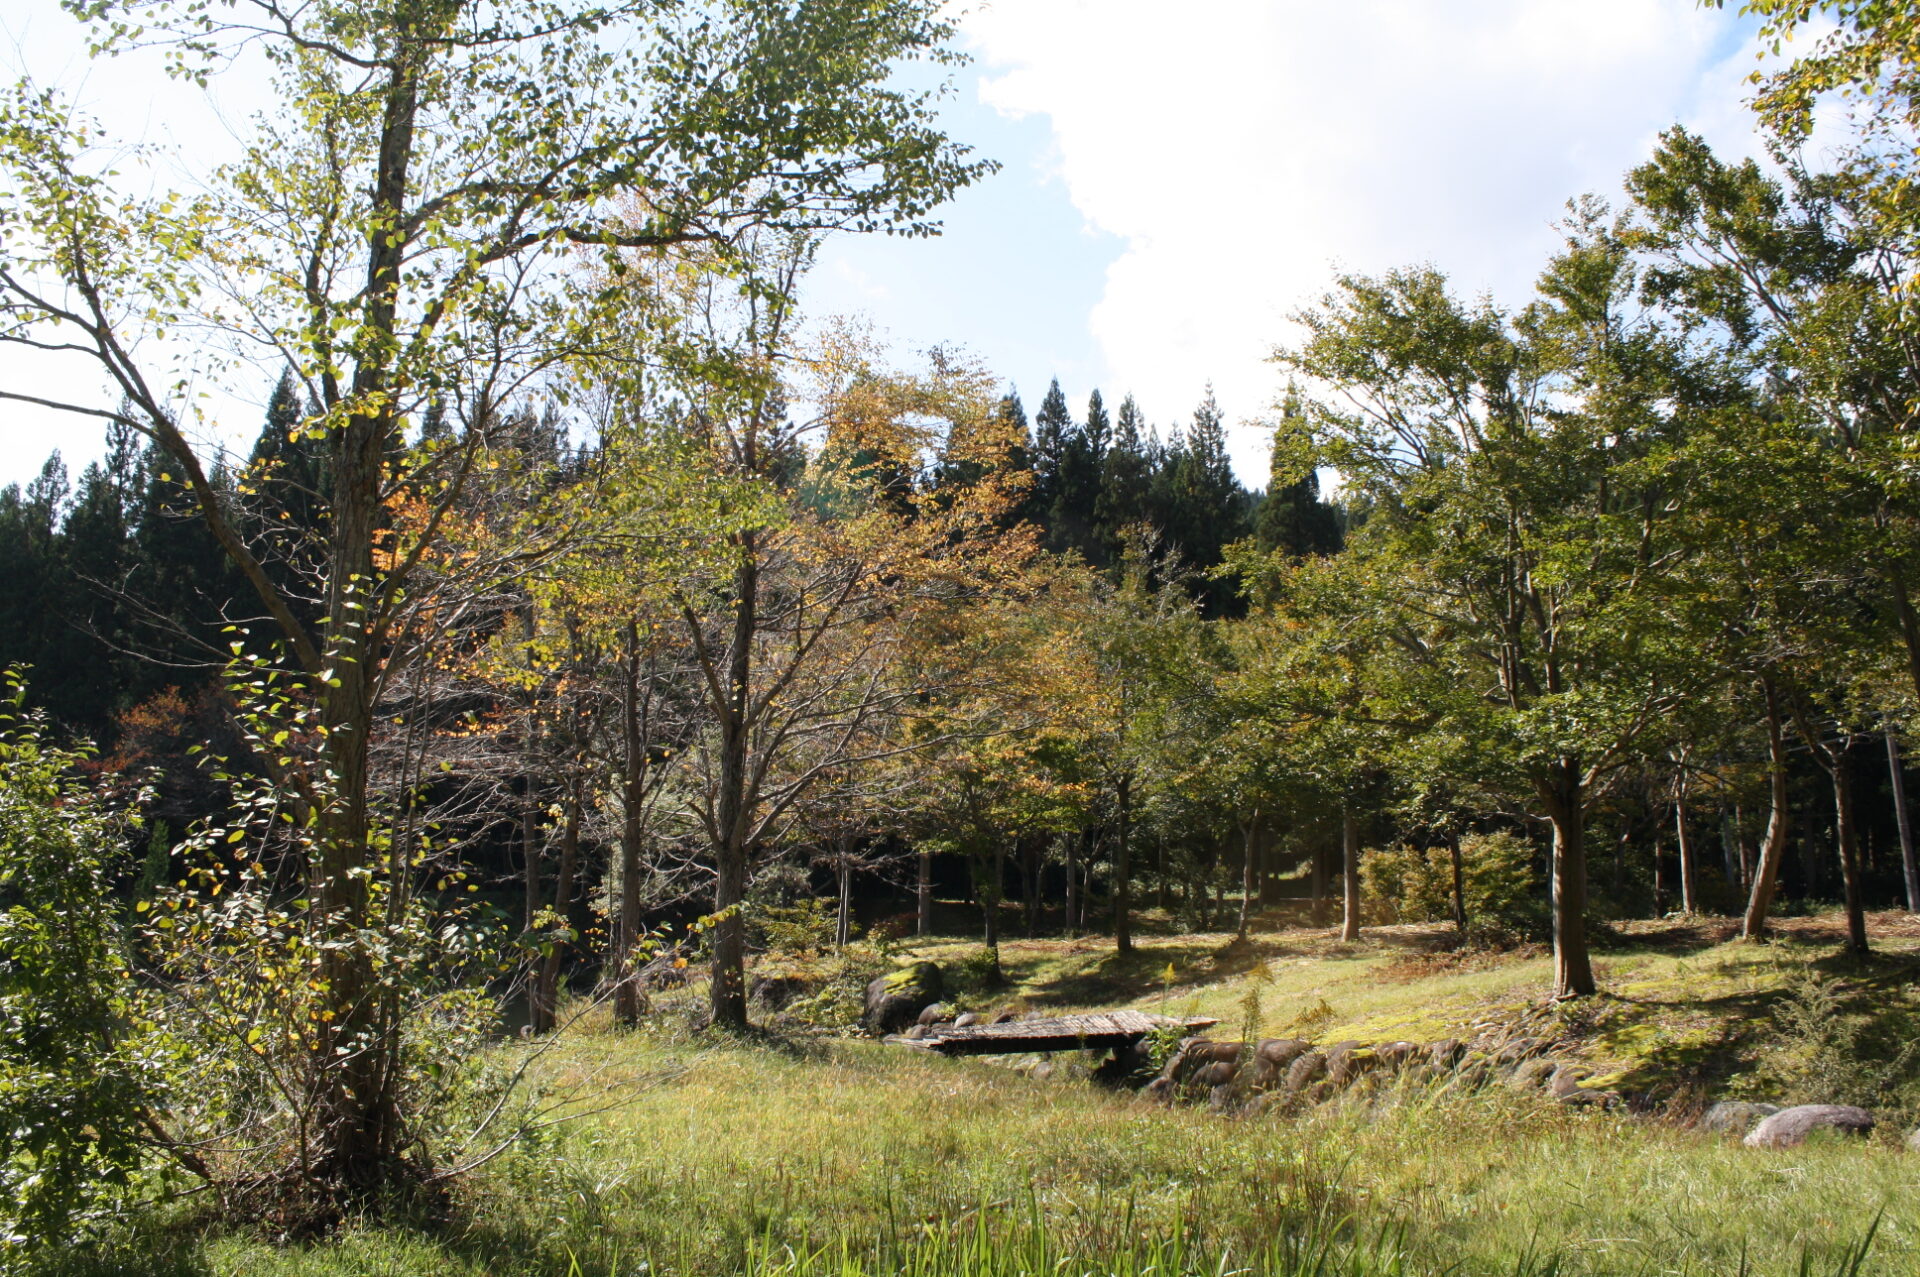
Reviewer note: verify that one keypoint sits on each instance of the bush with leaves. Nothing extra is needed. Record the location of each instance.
(1504, 895)
(75, 1080)
(1823, 1052)
(243, 999)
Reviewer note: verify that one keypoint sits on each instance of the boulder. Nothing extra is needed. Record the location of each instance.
(1519, 1049)
(965, 1020)
(1734, 1117)
(891, 1015)
(1913, 1141)
(1271, 1059)
(1280, 1052)
(897, 998)
(1566, 1080)
(1004, 1016)
(1396, 1055)
(1346, 1062)
(935, 1013)
(1196, 1052)
(1791, 1127)
(1184, 1067)
(1305, 1071)
(1531, 1074)
(1215, 1073)
(916, 1033)
(1446, 1054)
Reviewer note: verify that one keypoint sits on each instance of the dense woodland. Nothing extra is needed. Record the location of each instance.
(585, 616)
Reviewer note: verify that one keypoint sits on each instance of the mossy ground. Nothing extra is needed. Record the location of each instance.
(710, 1155)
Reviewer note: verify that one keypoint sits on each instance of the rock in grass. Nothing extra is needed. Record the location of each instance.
(896, 999)
(1271, 1059)
(1215, 1074)
(1306, 1070)
(935, 1013)
(1736, 1117)
(965, 1020)
(1280, 1052)
(1446, 1054)
(1531, 1074)
(1566, 1080)
(1791, 1127)
(1345, 1063)
(1913, 1140)
(1518, 1050)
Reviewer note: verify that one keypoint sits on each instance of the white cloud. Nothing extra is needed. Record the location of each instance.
(1245, 149)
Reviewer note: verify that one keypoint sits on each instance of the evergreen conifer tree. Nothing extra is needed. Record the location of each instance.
(1293, 518)
(1205, 508)
(1052, 430)
(1099, 431)
(1125, 477)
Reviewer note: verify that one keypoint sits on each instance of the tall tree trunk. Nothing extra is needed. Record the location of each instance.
(1659, 878)
(1563, 793)
(1773, 852)
(1775, 849)
(1123, 870)
(843, 916)
(923, 893)
(546, 990)
(1349, 874)
(1689, 899)
(1459, 883)
(989, 891)
(1908, 865)
(1847, 834)
(728, 991)
(1249, 867)
(1073, 873)
(626, 993)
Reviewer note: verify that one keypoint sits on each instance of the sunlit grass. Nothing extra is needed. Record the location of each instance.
(805, 1157)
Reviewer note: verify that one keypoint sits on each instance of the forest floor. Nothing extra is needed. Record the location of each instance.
(796, 1152)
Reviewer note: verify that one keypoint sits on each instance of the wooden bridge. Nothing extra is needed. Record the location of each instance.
(1107, 1030)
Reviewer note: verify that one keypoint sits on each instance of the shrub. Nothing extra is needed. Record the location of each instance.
(1405, 884)
(1820, 1052)
(73, 1085)
(1499, 881)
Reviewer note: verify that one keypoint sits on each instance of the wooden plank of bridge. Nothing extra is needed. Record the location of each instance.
(1107, 1029)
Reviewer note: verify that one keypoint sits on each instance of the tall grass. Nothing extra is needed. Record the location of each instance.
(850, 1159)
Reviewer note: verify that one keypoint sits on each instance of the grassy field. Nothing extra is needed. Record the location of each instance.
(810, 1154)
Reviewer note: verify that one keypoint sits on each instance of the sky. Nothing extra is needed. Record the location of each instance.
(1176, 182)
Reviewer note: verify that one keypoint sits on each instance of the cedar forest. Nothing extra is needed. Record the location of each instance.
(591, 641)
